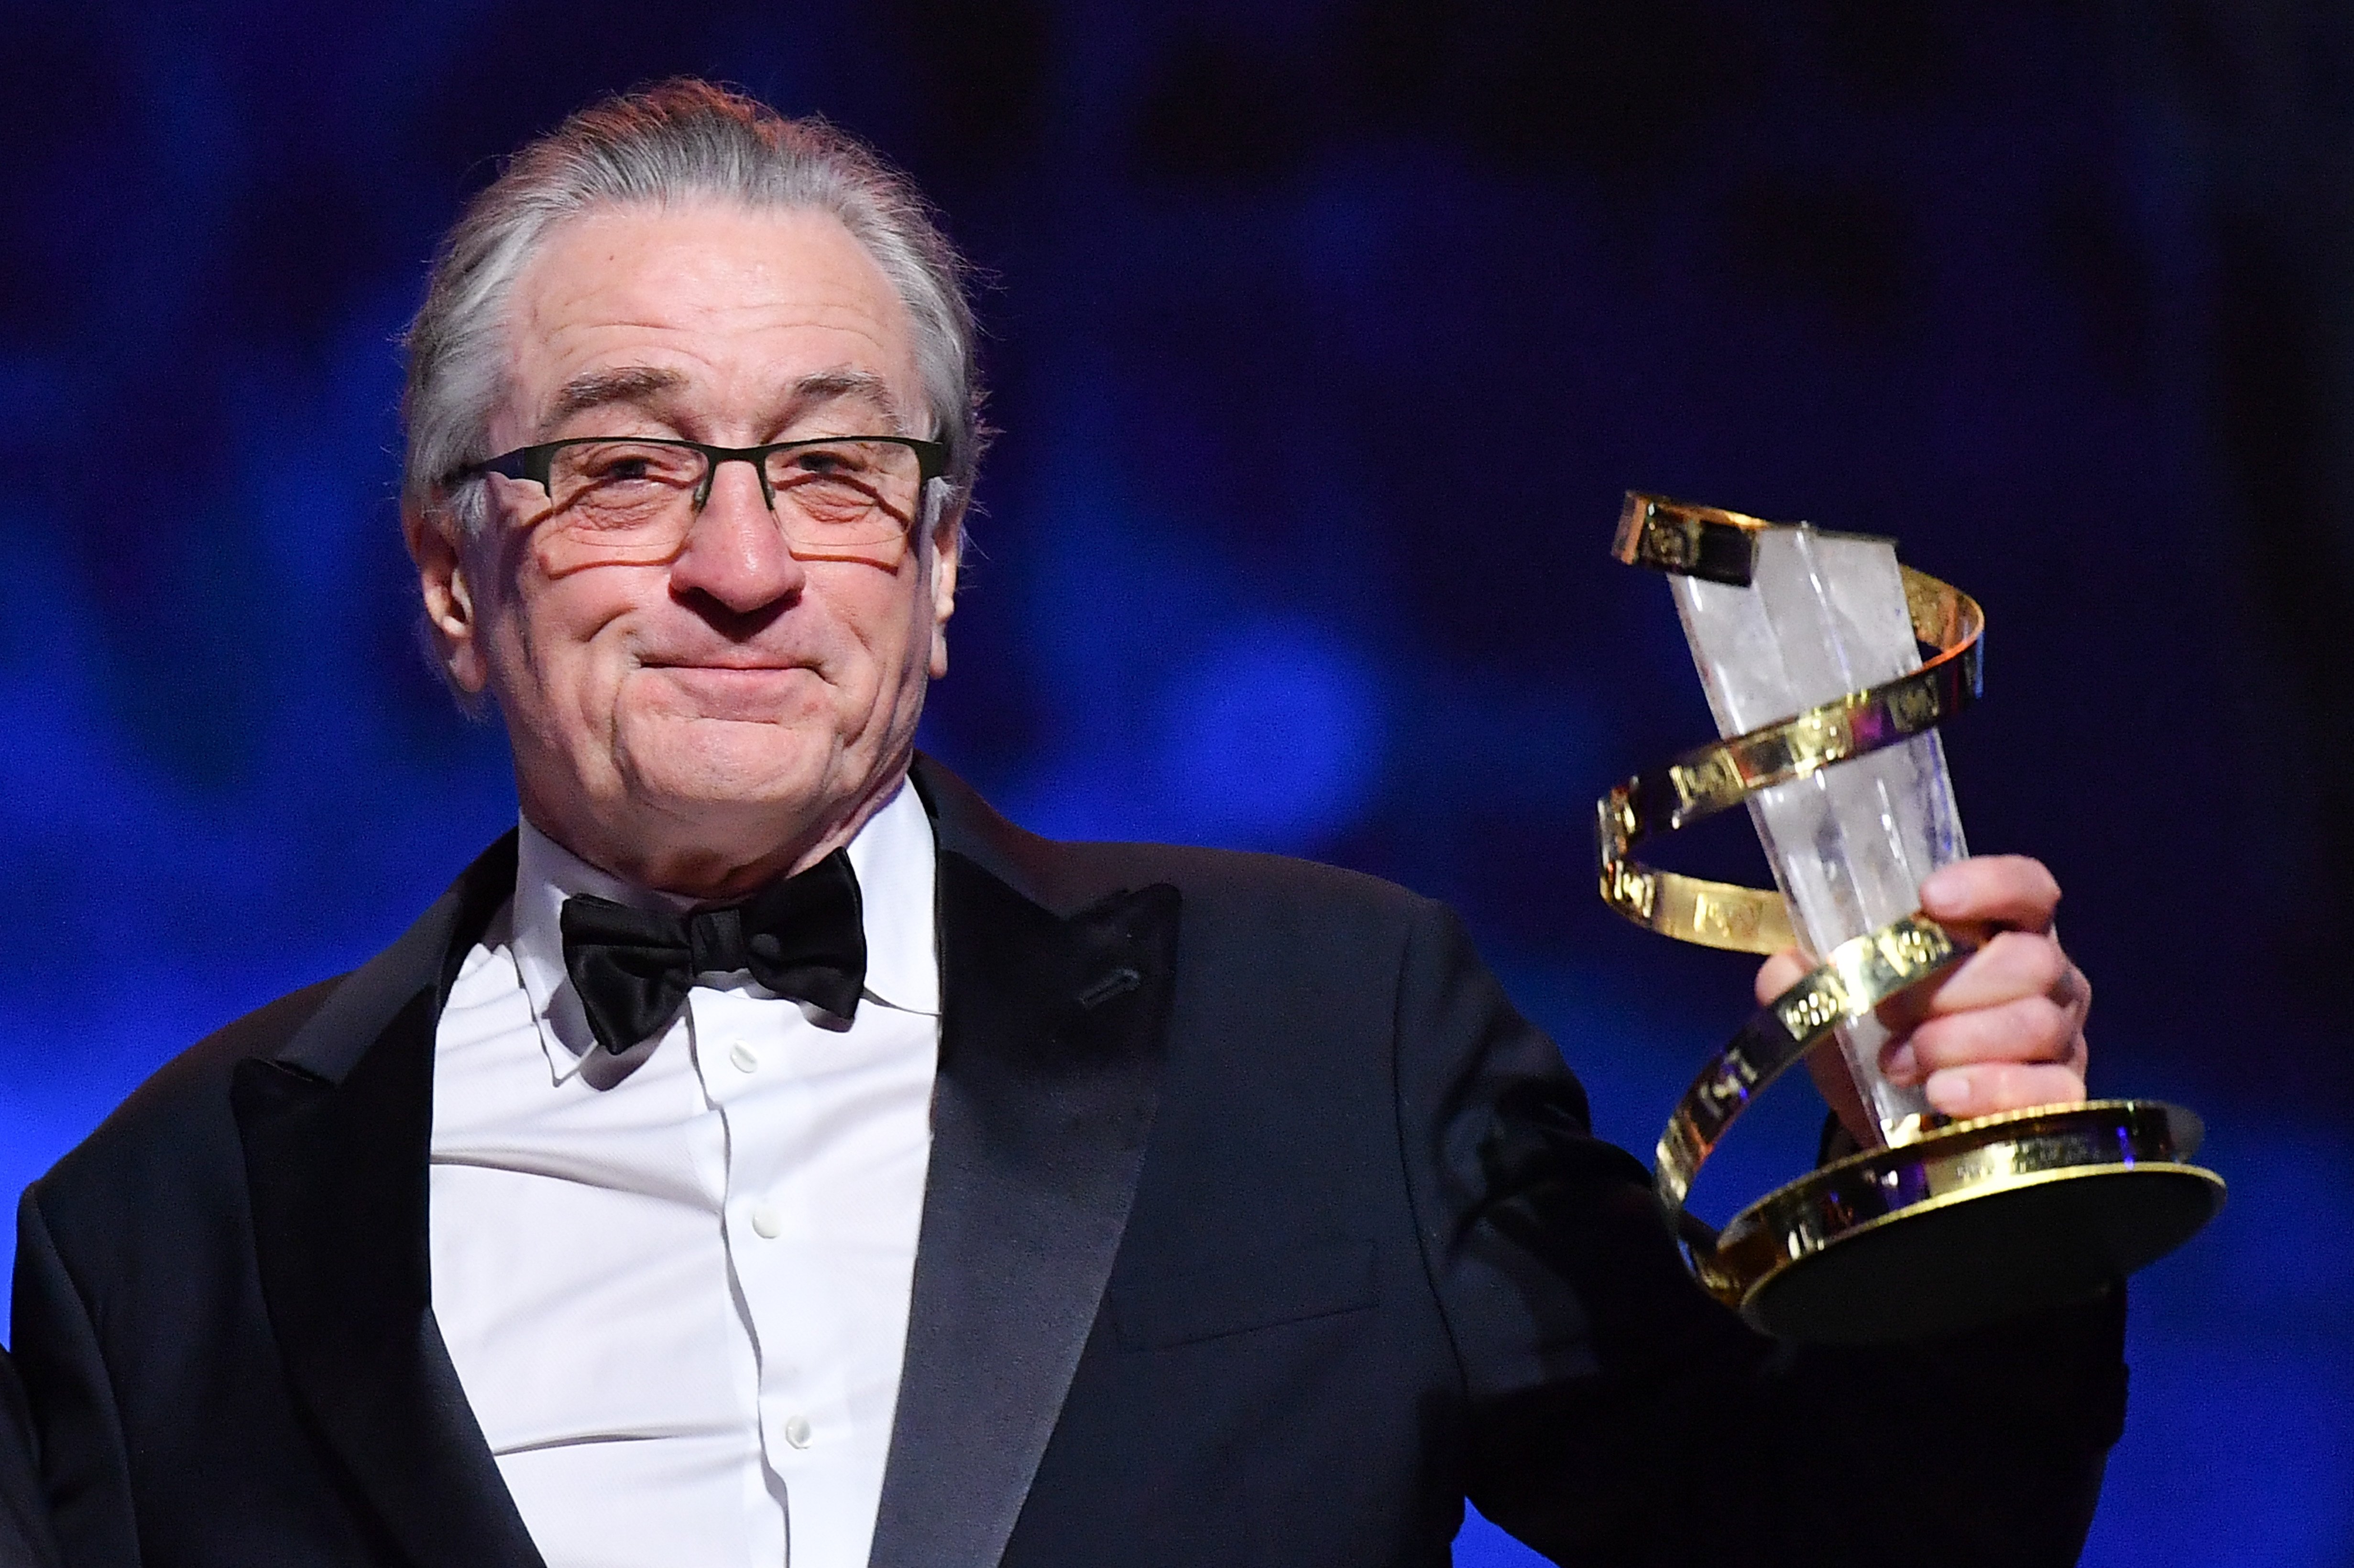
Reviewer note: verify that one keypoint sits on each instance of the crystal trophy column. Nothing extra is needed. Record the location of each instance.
(1825, 615)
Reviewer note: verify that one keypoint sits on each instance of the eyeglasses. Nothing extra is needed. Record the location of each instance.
(634, 499)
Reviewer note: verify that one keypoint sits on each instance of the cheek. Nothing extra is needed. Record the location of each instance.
(879, 617)
(561, 641)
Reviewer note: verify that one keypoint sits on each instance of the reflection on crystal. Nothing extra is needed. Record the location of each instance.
(1824, 615)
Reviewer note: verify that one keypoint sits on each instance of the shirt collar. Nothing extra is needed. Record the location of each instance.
(897, 866)
(893, 854)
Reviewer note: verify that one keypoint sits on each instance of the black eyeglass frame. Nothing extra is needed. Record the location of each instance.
(534, 462)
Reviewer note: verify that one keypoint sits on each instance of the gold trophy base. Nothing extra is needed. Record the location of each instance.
(1977, 1221)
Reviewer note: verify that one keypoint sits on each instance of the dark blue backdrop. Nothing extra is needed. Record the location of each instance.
(2054, 291)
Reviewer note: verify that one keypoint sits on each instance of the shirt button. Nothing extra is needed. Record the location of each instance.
(797, 1431)
(766, 1222)
(747, 1060)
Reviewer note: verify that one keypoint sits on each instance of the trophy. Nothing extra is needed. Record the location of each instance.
(1805, 643)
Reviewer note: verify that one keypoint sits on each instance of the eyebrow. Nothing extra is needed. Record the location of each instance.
(639, 383)
(837, 385)
(648, 385)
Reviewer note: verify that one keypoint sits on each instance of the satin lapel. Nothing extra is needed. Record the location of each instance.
(337, 1129)
(1051, 1042)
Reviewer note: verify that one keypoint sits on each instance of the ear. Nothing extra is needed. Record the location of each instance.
(448, 598)
(948, 548)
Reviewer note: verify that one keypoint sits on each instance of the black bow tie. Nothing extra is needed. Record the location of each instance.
(800, 937)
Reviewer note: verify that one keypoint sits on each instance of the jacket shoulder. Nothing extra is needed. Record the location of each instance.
(188, 1095)
(1067, 876)
(1239, 879)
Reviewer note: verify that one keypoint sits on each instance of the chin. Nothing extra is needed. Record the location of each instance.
(717, 763)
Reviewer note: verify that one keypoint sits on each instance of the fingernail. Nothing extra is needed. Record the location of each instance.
(1949, 1089)
(1933, 886)
(1901, 1065)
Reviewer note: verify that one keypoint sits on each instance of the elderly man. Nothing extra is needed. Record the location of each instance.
(768, 1155)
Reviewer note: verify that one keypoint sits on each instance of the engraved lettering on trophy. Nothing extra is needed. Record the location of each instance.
(1673, 543)
(1927, 608)
(1909, 948)
(1913, 707)
(1812, 1010)
(1713, 779)
(1819, 738)
(1729, 919)
(1629, 888)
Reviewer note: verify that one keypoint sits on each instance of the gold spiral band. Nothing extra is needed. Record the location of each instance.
(1857, 977)
(1721, 546)
(2014, 1152)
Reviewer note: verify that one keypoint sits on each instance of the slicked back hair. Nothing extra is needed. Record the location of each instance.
(679, 141)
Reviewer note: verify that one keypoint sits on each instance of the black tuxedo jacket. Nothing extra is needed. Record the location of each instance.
(1260, 1230)
(24, 1540)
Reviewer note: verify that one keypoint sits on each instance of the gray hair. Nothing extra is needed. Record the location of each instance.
(681, 139)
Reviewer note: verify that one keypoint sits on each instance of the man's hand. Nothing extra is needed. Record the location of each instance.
(2002, 1030)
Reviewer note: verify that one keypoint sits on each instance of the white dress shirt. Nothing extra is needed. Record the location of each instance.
(675, 1284)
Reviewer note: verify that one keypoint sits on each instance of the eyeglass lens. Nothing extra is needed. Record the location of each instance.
(637, 500)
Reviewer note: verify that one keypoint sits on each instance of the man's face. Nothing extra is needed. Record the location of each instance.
(704, 722)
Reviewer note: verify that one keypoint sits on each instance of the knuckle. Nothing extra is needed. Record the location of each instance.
(2031, 959)
(2046, 1026)
(2046, 962)
(2027, 1030)
(2029, 878)
(1931, 1048)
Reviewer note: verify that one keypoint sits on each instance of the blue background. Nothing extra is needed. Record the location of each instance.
(2056, 292)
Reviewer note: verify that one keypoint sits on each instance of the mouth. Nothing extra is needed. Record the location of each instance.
(721, 666)
(730, 663)
(731, 688)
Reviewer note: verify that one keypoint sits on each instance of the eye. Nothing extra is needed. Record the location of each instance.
(832, 463)
(626, 464)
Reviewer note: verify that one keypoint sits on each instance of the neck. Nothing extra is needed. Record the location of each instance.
(705, 859)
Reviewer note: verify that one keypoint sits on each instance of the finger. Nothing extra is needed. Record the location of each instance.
(1991, 1087)
(1826, 1063)
(2012, 965)
(2033, 1030)
(2009, 890)
(1779, 973)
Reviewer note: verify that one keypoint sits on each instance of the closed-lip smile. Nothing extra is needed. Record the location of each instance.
(737, 665)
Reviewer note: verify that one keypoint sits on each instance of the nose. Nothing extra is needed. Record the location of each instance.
(735, 552)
